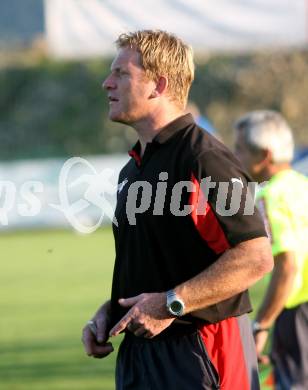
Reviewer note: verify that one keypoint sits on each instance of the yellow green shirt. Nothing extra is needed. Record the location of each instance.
(283, 201)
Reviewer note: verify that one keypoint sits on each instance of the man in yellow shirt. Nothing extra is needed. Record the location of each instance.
(264, 144)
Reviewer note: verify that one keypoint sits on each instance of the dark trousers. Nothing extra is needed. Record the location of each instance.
(290, 349)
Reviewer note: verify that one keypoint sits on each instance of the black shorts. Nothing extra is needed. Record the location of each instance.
(290, 349)
(190, 357)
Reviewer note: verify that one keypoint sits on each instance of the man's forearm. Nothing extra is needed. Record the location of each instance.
(279, 289)
(235, 271)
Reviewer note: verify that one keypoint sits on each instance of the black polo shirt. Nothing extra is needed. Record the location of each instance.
(171, 224)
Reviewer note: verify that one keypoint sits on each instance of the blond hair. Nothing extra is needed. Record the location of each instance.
(163, 54)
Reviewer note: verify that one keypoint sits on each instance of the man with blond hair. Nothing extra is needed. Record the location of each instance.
(264, 144)
(183, 262)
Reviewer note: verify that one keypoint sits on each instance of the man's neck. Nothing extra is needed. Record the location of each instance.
(272, 170)
(148, 128)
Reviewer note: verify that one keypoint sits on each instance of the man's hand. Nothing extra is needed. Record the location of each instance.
(147, 317)
(260, 340)
(97, 345)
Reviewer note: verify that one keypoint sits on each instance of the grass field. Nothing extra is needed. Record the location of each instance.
(51, 282)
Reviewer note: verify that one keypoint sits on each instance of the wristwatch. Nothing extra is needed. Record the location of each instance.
(175, 305)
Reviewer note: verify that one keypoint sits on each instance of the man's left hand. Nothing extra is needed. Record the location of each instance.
(260, 341)
(147, 317)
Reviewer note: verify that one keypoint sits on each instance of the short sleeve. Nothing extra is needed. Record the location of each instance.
(229, 207)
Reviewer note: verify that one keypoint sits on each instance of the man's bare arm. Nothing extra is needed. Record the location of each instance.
(279, 289)
(235, 271)
(275, 298)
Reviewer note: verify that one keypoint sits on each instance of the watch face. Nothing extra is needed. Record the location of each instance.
(176, 306)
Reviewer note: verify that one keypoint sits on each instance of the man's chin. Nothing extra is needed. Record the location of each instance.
(114, 117)
(118, 118)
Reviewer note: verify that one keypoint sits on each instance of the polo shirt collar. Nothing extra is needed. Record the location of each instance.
(173, 127)
(163, 136)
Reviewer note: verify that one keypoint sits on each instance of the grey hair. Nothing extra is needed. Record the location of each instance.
(268, 130)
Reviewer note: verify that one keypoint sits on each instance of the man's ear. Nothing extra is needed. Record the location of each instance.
(267, 156)
(161, 87)
(264, 158)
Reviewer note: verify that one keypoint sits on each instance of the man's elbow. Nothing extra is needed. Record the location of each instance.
(266, 264)
(265, 261)
(286, 263)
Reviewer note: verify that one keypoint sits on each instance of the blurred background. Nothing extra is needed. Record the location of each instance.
(54, 55)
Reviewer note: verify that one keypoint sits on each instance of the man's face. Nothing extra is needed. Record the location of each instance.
(247, 157)
(128, 89)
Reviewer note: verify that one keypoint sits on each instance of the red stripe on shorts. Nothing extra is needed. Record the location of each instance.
(224, 346)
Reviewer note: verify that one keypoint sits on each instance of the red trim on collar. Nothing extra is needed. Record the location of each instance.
(132, 153)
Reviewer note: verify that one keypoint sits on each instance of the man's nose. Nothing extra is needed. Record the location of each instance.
(108, 83)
